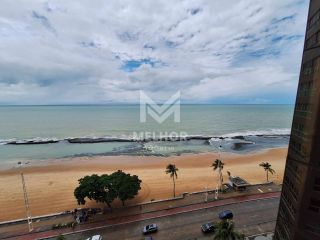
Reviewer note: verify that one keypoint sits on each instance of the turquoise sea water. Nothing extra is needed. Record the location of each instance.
(25, 123)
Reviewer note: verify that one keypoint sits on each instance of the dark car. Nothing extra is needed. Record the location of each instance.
(151, 228)
(226, 214)
(207, 227)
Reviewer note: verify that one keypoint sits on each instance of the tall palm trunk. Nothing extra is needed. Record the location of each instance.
(220, 178)
(174, 187)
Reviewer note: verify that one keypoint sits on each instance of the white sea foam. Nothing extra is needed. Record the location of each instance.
(5, 141)
(272, 131)
(226, 137)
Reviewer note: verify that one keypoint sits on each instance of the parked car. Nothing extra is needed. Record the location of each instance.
(207, 227)
(151, 228)
(95, 237)
(226, 214)
(148, 238)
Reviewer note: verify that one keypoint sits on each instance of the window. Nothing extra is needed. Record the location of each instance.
(314, 19)
(295, 145)
(315, 228)
(310, 67)
(298, 126)
(314, 205)
(311, 42)
(307, 68)
(316, 185)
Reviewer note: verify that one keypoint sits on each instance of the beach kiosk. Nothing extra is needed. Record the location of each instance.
(238, 183)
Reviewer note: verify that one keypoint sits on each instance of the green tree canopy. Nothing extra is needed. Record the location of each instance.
(61, 237)
(106, 188)
(267, 167)
(224, 230)
(125, 185)
(94, 187)
(218, 165)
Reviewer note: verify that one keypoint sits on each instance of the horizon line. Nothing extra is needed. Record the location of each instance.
(119, 104)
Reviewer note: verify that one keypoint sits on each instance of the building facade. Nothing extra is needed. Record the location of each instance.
(299, 210)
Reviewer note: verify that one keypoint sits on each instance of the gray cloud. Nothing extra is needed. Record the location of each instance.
(80, 51)
(44, 21)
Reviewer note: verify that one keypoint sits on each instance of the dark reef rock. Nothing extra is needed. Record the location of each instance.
(32, 142)
(97, 140)
(239, 137)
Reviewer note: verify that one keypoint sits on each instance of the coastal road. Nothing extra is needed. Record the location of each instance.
(251, 217)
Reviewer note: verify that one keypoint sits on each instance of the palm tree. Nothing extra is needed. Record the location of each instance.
(224, 230)
(267, 167)
(172, 170)
(218, 165)
(61, 237)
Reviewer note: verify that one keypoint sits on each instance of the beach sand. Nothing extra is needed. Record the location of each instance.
(50, 185)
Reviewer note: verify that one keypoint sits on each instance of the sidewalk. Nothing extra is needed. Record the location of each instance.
(189, 202)
(266, 236)
(190, 199)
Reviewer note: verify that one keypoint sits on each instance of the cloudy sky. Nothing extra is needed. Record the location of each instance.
(222, 51)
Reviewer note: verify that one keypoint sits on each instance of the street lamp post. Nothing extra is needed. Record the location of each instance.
(216, 194)
(26, 200)
(206, 194)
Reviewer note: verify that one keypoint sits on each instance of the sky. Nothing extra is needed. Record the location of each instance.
(101, 52)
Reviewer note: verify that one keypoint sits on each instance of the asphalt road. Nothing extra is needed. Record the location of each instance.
(251, 217)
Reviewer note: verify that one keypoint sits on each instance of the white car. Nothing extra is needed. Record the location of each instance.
(95, 237)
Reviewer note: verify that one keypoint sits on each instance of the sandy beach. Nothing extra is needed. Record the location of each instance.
(50, 185)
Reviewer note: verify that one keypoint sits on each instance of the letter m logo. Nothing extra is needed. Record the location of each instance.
(159, 112)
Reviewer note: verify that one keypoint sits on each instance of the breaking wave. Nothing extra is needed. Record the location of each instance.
(82, 140)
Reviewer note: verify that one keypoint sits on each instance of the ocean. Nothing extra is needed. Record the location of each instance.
(33, 133)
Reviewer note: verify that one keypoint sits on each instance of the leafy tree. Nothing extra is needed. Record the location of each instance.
(61, 237)
(125, 185)
(218, 165)
(106, 188)
(267, 167)
(172, 170)
(224, 230)
(94, 187)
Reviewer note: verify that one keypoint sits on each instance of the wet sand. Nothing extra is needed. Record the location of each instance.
(50, 184)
